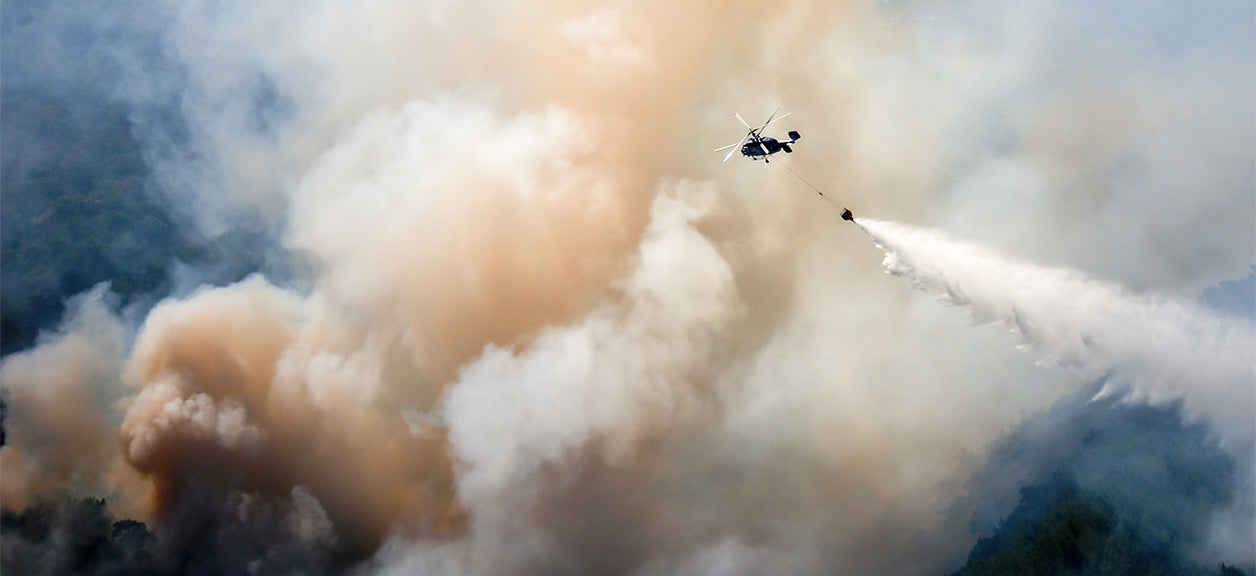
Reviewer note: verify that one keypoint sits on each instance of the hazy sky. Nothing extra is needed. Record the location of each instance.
(529, 323)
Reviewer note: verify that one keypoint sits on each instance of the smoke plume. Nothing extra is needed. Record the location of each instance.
(58, 399)
(474, 296)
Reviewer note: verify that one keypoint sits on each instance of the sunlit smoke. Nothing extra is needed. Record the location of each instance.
(59, 397)
(517, 318)
(613, 379)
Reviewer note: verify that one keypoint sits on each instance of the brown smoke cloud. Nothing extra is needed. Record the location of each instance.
(237, 390)
(538, 327)
(58, 396)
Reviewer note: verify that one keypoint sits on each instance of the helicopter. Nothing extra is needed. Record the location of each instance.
(755, 145)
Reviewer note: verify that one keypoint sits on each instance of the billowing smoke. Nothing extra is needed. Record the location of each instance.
(459, 287)
(58, 398)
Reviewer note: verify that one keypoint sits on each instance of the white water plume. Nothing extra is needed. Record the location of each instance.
(1152, 347)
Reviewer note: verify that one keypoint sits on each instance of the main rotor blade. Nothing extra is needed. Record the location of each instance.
(775, 119)
(735, 148)
(773, 115)
(743, 121)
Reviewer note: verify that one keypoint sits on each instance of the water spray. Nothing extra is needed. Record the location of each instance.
(1153, 348)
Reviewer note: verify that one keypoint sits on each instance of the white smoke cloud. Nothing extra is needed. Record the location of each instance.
(161, 413)
(309, 521)
(1092, 136)
(600, 36)
(726, 558)
(625, 369)
(534, 328)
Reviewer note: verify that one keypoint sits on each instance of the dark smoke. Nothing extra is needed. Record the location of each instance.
(514, 318)
(216, 531)
(75, 537)
(237, 533)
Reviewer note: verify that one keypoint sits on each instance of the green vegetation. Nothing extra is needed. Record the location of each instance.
(75, 211)
(1107, 487)
(1059, 530)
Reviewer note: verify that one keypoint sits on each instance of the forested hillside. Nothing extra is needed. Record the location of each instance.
(80, 208)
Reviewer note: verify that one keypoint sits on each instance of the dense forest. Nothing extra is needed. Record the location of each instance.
(80, 208)
(1103, 488)
(1059, 530)
(76, 211)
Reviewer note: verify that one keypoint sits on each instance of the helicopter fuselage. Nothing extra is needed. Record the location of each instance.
(754, 146)
(754, 151)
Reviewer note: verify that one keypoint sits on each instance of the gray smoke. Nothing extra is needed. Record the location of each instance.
(515, 317)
